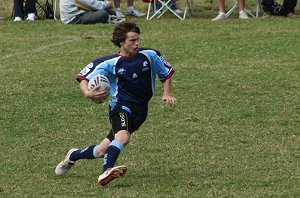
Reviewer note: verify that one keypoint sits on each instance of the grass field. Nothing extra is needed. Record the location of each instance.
(235, 131)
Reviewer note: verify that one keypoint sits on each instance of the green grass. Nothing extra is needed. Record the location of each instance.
(235, 131)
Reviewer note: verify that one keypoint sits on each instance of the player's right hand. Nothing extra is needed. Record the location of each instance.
(95, 94)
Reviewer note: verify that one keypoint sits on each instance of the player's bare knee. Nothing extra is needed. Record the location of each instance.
(123, 137)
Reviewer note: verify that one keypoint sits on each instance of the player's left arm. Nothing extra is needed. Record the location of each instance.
(167, 96)
(165, 72)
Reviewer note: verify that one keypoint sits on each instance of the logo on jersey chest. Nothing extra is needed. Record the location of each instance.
(134, 75)
(121, 71)
(145, 66)
(133, 71)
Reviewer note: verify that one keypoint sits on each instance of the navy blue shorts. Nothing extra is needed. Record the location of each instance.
(126, 116)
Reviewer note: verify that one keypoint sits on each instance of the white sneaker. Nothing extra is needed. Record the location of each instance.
(109, 175)
(118, 20)
(220, 16)
(114, 19)
(119, 13)
(178, 11)
(18, 19)
(134, 12)
(243, 15)
(31, 17)
(65, 165)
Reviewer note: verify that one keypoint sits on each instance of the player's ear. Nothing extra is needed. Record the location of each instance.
(122, 43)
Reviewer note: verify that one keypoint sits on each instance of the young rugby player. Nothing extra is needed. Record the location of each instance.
(132, 74)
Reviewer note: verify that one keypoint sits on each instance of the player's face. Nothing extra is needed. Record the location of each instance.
(130, 46)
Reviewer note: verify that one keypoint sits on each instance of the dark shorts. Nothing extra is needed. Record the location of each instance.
(127, 117)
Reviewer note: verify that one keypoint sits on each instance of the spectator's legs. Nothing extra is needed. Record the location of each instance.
(117, 4)
(18, 8)
(241, 5)
(131, 11)
(221, 15)
(30, 6)
(267, 8)
(129, 3)
(30, 10)
(118, 10)
(92, 17)
(267, 5)
(289, 6)
(221, 5)
(242, 13)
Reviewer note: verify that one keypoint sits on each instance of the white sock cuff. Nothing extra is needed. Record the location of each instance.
(117, 144)
(95, 151)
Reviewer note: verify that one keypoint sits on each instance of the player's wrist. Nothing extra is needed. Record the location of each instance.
(87, 94)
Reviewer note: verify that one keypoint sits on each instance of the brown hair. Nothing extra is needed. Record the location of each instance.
(121, 30)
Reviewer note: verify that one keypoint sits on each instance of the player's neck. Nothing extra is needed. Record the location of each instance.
(126, 54)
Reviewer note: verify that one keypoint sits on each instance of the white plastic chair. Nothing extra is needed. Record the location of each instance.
(247, 9)
(55, 8)
(153, 12)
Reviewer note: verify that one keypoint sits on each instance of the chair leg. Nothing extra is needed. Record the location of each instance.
(258, 8)
(165, 7)
(231, 10)
(41, 10)
(190, 6)
(156, 12)
(54, 9)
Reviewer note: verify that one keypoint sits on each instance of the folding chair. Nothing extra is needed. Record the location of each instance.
(55, 8)
(45, 11)
(153, 12)
(247, 9)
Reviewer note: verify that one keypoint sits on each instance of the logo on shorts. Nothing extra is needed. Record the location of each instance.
(122, 118)
(135, 75)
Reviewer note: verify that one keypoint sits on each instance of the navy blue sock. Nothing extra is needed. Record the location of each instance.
(87, 153)
(112, 154)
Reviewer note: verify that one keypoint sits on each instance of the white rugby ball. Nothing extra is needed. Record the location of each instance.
(102, 81)
(99, 80)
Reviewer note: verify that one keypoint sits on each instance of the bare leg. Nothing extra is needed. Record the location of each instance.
(241, 5)
(102, 147)
(221, 5)
(117, 3)
(129, 3)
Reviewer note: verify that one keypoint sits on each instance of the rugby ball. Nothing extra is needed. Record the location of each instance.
(99, 80)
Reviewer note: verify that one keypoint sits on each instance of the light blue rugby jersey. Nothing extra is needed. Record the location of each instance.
(131, 79)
